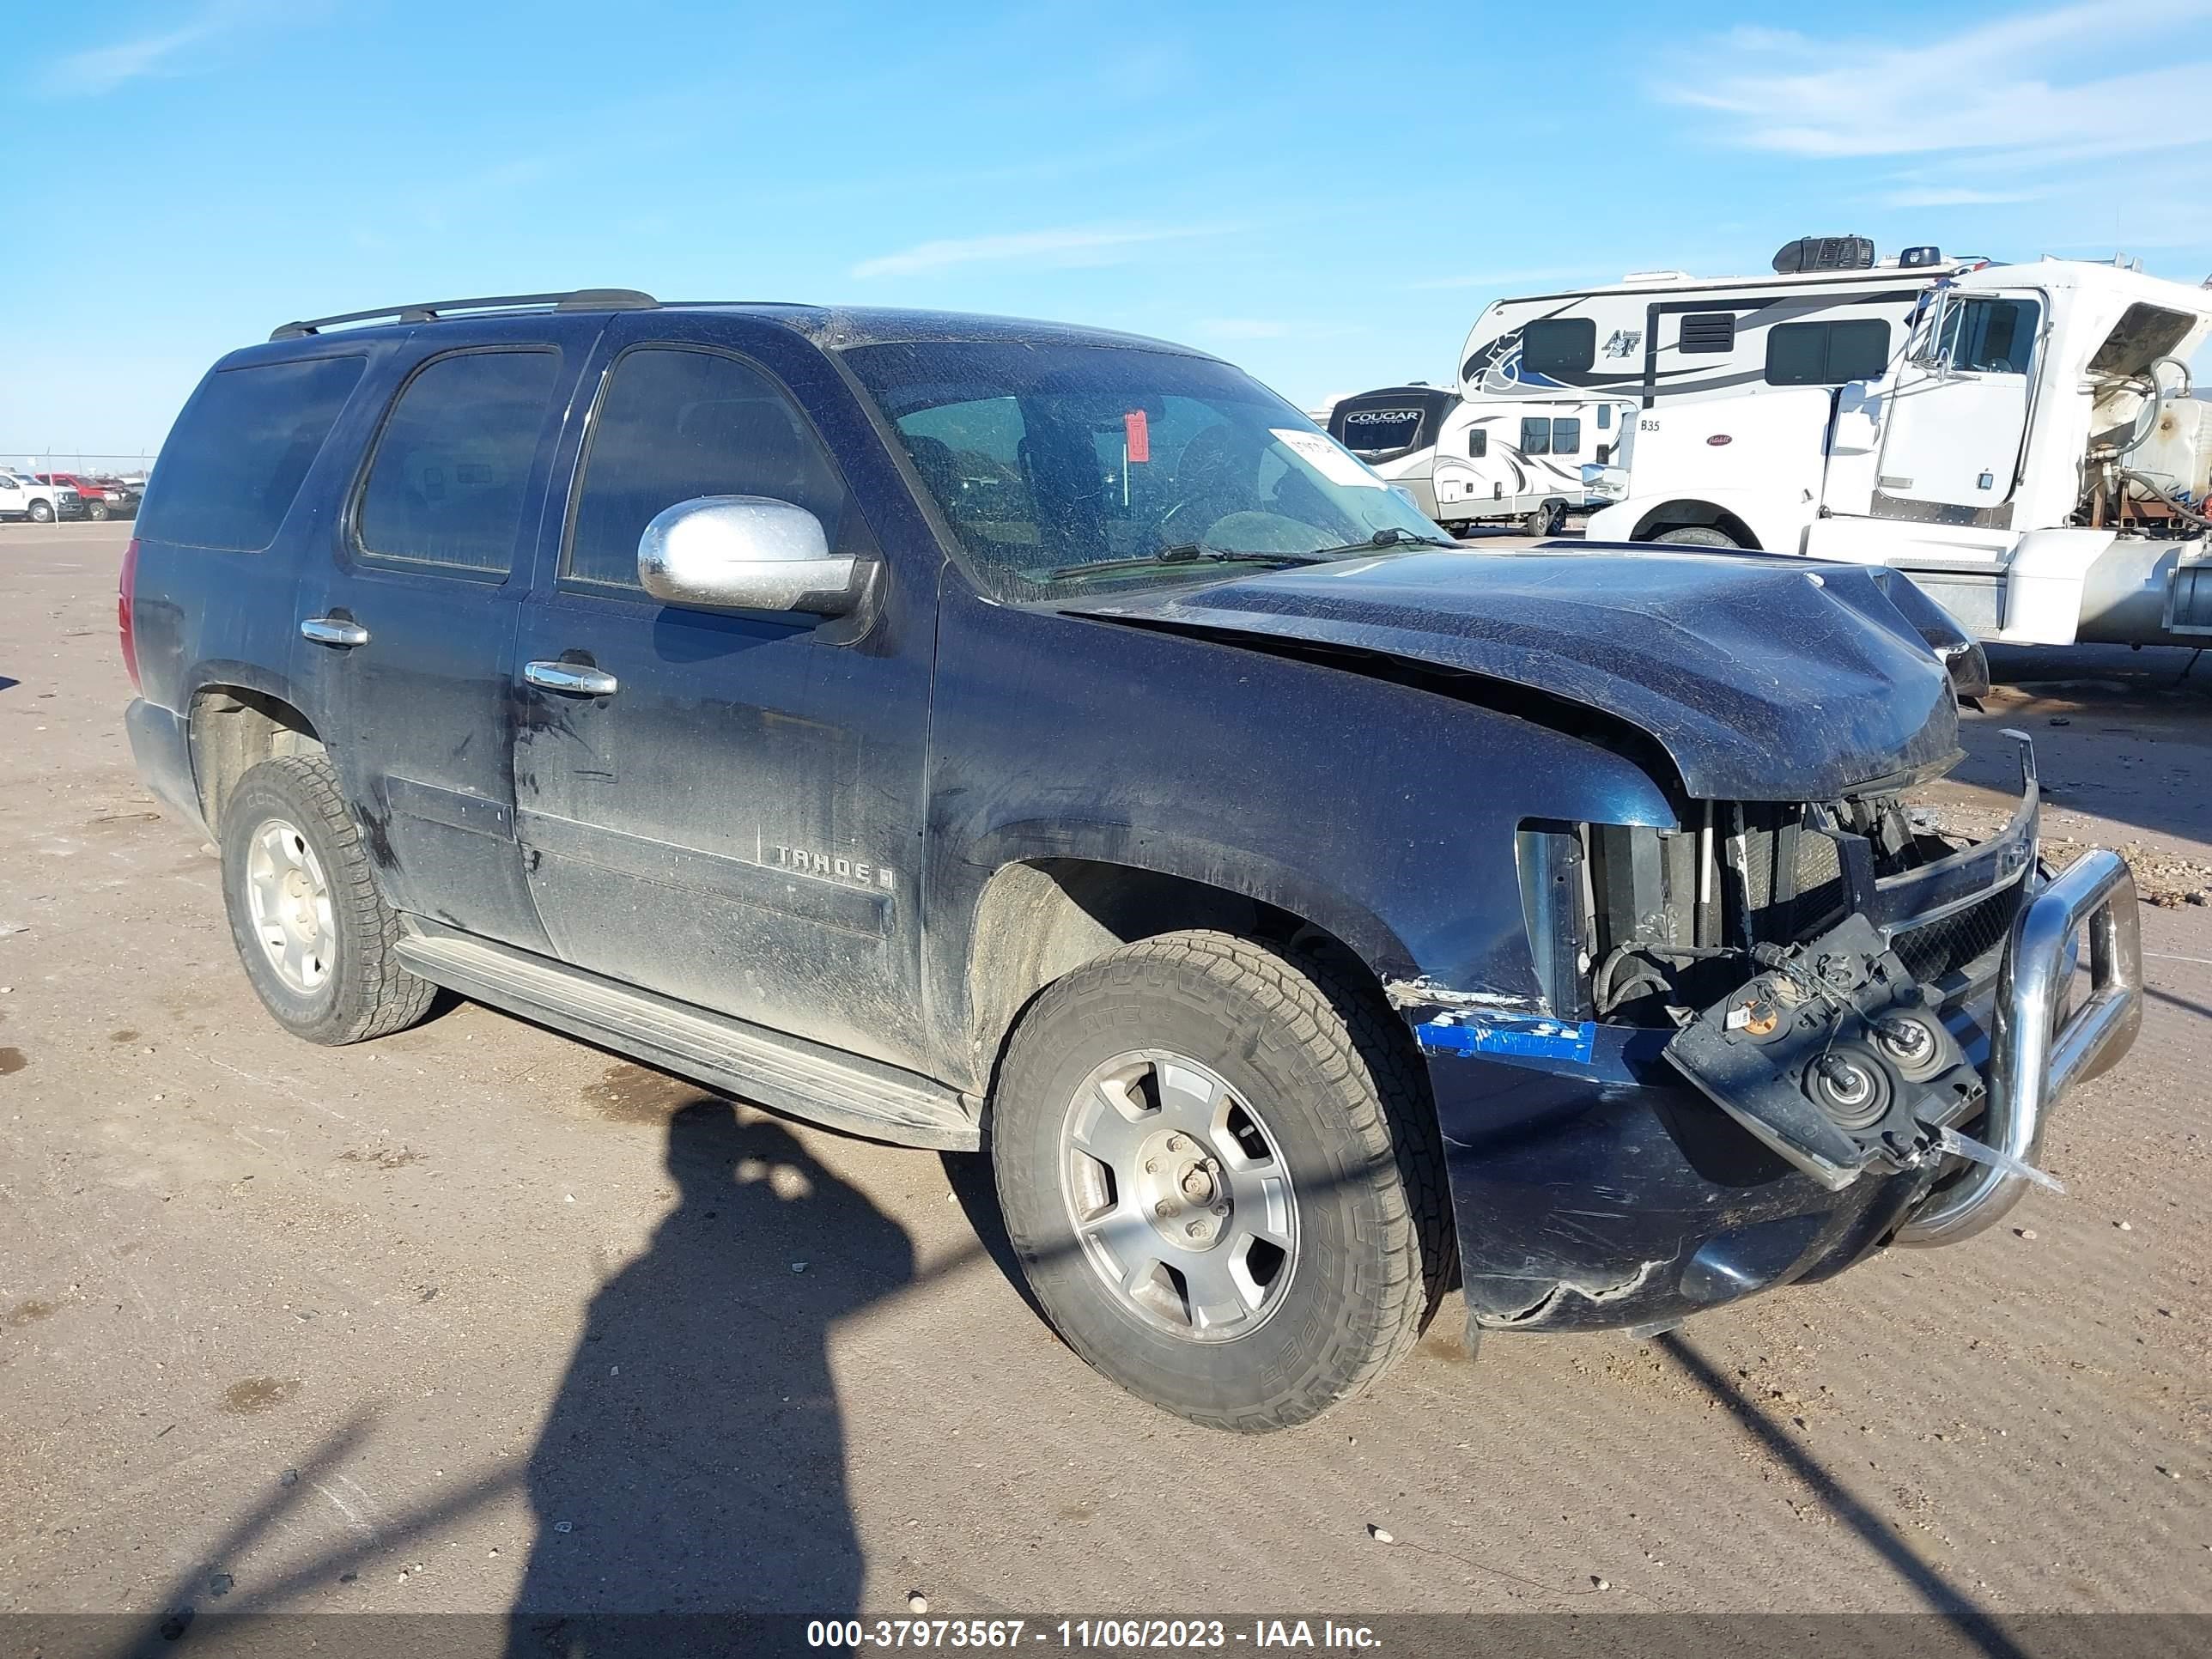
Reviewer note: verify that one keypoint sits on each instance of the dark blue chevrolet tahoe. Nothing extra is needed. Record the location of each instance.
(986, 734)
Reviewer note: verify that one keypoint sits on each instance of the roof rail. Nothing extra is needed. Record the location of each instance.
(581, 299)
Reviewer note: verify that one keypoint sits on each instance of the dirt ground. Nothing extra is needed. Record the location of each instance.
(479, 1317)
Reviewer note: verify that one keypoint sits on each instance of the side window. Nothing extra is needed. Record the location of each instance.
(241, 450)
(1827, 354)
(1707, 330)
(445, 480)
(1567, 436)
(1989, 336)
(1558, 345)
(1605, 417)
(675, 423)
(1478, 443)
(1535, 435)
(1857, 350)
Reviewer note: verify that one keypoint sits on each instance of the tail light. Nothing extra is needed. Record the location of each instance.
(126, 591)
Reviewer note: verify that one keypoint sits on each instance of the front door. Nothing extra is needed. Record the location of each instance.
(1958, 413)
(726, 810)
(409, 630)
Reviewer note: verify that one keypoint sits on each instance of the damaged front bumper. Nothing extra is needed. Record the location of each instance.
(1596, 1188)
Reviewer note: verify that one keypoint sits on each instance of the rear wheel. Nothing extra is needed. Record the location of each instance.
(1221, 1175)
(317, 940)
(1545, 520)
(1697, 535)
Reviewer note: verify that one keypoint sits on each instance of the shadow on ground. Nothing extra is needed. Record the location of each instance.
(694, 1459)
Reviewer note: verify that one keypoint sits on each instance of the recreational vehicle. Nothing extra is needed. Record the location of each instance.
(2027, 449)
(1467, 463)
(1829, 314)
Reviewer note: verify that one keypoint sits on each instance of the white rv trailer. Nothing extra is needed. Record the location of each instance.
(1467, 464)
(2029, 454)
(1829, 314)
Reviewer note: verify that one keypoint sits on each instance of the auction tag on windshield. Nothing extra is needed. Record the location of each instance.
(1327, 457)
(1139, 434)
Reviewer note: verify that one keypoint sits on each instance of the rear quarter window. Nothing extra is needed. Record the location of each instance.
(240, 452)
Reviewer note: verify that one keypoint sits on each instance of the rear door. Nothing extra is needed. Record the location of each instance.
(736, 822)
(1958, 416)
(409, 627)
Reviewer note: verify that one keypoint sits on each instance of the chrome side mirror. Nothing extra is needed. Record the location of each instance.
(1934, 356)
(746, 553)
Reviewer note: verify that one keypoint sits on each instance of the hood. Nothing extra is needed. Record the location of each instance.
(1763, 677)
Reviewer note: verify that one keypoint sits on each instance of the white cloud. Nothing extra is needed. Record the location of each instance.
(98, 69)
(1242, 328)
(1937, 195)
(1503, 279)
(2027, 82)
(1070, 246)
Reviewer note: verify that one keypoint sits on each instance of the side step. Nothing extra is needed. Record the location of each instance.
(783, 1073)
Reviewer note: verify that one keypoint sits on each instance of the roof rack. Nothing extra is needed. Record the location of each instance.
(581, 299)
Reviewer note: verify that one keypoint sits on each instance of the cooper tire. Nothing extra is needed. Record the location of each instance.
(318, 941)
(1335, 1091)
(1698, 535)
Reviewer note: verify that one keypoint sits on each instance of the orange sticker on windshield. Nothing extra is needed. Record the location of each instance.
(1138, 434)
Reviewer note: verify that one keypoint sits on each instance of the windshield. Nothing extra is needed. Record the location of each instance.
(1049, 460)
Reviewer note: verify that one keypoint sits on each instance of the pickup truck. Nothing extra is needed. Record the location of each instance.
(998, 736)
(24, 497)
(103, 499)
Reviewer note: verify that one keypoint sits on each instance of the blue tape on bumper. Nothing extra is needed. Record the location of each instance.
(1523, 1034)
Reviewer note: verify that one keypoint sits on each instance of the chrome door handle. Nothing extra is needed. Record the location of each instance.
(573, 678)
(333, 630)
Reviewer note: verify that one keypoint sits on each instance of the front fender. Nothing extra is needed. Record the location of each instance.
(1235, 869)
(1380, 811)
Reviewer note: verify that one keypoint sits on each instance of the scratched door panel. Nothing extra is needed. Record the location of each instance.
(736, 825)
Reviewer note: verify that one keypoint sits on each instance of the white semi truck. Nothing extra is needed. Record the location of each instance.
(2028, 450)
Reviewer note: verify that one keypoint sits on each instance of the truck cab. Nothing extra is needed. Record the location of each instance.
(2031, 456)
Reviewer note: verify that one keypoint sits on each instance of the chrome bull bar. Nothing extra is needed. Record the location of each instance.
(2035, 1056)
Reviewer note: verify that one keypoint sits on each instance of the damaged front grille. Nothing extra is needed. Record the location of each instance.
(1957, 944)
(1641, 926)
(1809, 963)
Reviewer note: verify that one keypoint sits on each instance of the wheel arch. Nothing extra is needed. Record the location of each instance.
(1041, 916)
(231, 728)
(1688, 513)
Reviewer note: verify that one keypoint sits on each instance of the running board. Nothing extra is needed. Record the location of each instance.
(783, 1073)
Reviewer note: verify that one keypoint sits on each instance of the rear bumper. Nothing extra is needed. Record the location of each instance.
(162, 750)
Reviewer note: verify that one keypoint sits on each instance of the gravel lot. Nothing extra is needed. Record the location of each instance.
(479, 1317)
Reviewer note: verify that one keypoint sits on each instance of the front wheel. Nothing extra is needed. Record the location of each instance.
(41, 512)
(96, 511)
(1697, 535)
(1221, 1173)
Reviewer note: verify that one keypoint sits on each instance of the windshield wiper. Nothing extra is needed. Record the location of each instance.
(1186, 553)
(1389, 536)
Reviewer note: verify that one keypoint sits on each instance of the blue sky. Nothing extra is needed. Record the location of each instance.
(1327, 195)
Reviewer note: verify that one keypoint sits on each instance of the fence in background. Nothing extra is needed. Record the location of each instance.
(23, 460)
